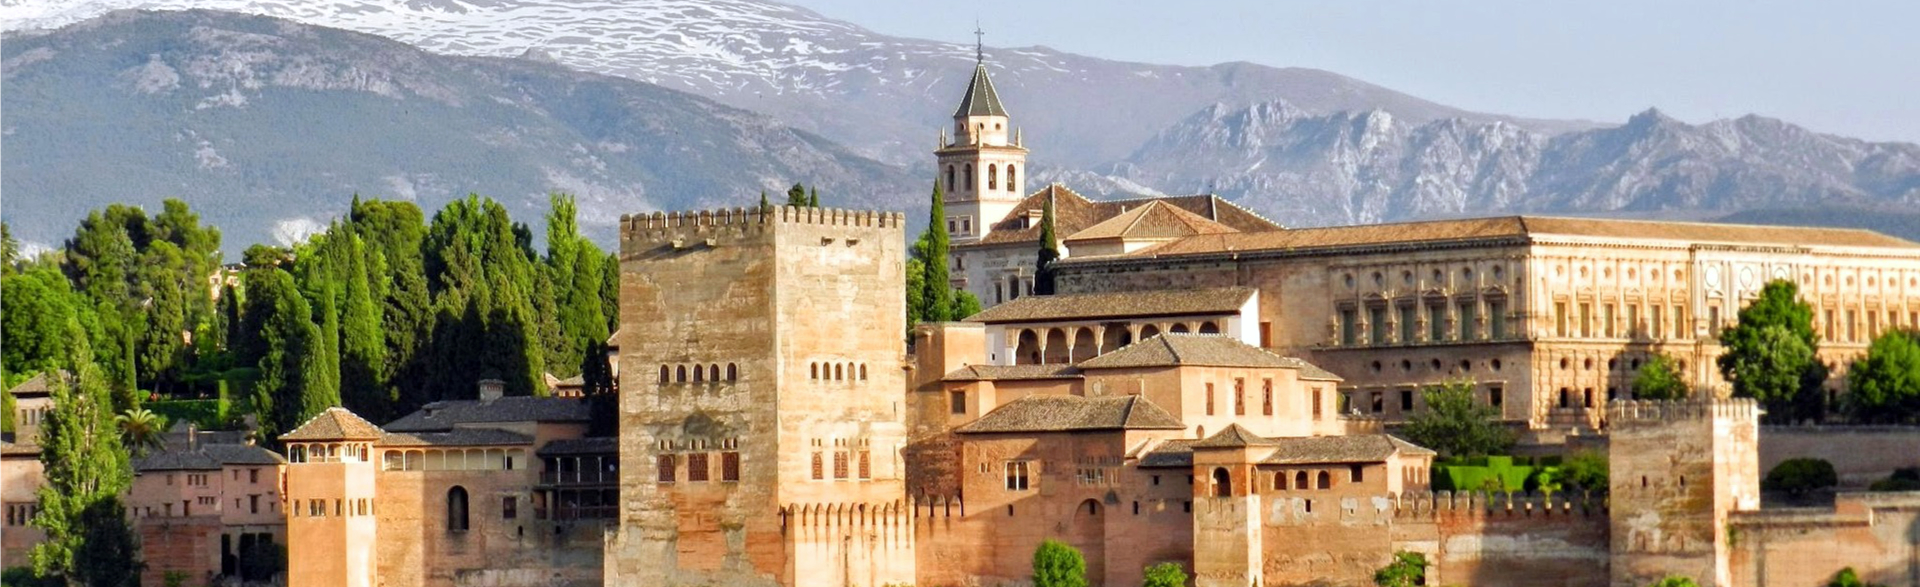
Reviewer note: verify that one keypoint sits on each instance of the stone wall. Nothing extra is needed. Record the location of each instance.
(189, 546)
(1860, 454)
(1878, 534)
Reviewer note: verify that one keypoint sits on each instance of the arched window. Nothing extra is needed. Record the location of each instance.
(1326, 480)
(949, 178)
(457, 509)
(698, 374)
(1010, 177)
(664, 373)
(838, 373)
(713, 372)
(863, 372)
(1300, 480)
(813, 370)
(969, 176)
(1280, 481)
(1091, 507)
(733, 372)
(680, 374)
(1222, 482)
(993, 176)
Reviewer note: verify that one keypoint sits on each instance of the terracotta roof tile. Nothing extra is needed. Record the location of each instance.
(1212, 350)
(1165, 302)
(176, 457)
(1235, 436)
(1073, 213)
(457, 437)
(39, 385)
(1157, 219)
(443, 415)
(1012, 372)
(580, 446)
(1172, 453)
(335, 423)
(1359, 448)
(1067, 413)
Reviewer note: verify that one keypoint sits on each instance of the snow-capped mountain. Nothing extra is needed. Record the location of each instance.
(268, 128)
(1372, 166)
(885, 97)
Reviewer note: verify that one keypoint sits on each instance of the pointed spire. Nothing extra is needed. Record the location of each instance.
(980, 100)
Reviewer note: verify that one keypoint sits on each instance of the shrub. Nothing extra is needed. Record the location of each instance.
(1455, 425)
(1586, 470)
(1903, 479)
(24, 577)
(1055, 564)
(1796, 477)
(1165, 575)
(1675, 581)
(1406, 570)
(1847, 578)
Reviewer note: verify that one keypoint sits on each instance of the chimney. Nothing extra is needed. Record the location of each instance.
(492, 389)
(193, 436)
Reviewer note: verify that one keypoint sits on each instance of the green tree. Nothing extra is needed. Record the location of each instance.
(1165, 575)
(1848, 578)
(1770, 354)
(1884, 387)
(765, 205)
(282, 343)
(797, 196)
(1586, 470)
(1406, 570)
(964, 304)
(1798, 477)
(39, 307)
(1675, 581)
(480, 268)
(813, 197)
(88, 540)
(1455, 425)
(397, 232)
(166, 291)
(1049, 252)
(1055, 564)
(575, 267)
(1659, 379)
(1902, 479)
(596, 377)
(141, 430)
(9, 250)
(936, 297)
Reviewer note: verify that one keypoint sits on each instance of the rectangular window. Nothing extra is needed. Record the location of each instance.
(1829, 325)
(1713, 321)
(1379, 402)
(1266, 397)
(1659, 325)
(1606, 320)
(730, 466)
(253, 475)
(1266, 334)
(1633, 319)
(1560, 319)
(1316, 403)
(1873, 323)
(866, 465)
(1494, 396)
(1497, 319)
(1406, 401)
(1853, 325)
(1680, 329)
(1376, 325)
(1436, 322)
(1347, 327)
(664, 463)
(957, 401)
(1239, 397)
(1356, 473)
(509, 507)
(1209, 399)
(1468, 329)
(253, 504)
(840, 464)
(1016, 475)
(819, 469)
(697, 467)
(1586, 320)
(1407, 322)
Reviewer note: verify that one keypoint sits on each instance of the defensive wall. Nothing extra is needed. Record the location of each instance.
(1860, 454)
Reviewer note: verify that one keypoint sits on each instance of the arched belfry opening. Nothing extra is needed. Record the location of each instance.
(1222, 482)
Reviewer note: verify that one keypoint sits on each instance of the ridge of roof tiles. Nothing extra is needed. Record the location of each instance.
(1156, 219)
(1012, 372)
(1211, 350)
(1072, 413)
(1161, 302)
(445, 414)
(335, 423)
(1073, 213)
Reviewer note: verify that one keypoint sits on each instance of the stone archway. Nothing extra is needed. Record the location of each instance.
(1057, 348)
(1027, 350)
(1084, 345)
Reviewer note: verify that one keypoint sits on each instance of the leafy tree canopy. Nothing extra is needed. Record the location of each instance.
(1055, 564)
(1407, 570)
(1797, 477)
(1659, 379)
(1884, 387)
(1769, 354)
(1457, 426)
(1165, 575)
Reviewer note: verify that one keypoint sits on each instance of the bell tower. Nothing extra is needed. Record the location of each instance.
(982, 167)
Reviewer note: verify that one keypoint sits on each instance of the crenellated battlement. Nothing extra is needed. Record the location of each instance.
(848, 514)
(630, 223)
(1417, 505)
(1629, 412)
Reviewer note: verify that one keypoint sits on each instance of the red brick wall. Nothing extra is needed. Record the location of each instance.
(184, 545)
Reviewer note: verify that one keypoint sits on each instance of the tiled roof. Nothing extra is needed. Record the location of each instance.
(980, 100)
(206, 456)
(1172, 453)
(456, 437)
(335, 423)
(1073, 213)
(443, 415)
(1093, 306)
(184, 460)
(39, 385)
(1522, 227)
(1157, 219)
(1359, 448)
(1012, 372)
(1209, 350)
(15, 448)
(1063, 413)
(579, 446)
(1235, 436)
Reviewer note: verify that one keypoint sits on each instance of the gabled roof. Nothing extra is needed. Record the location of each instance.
(1072, 413)
(581, 446)
(335, 423)
(40, 385)
(1156, 220)
(1094, 306)
(1520, 229)
(1172, 453)
(1235, 436)
(444, 415)
(1073, 213)
(176, 457)
(1012, 372)
(457, 437)
(1359, 448)
(1206, 350)
(980, 99)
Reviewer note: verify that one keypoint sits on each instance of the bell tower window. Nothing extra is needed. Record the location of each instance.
(993, 177)
(969, 177)
(1010, 177)
(949, 178)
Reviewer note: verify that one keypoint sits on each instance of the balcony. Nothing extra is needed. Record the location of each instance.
(569, 514)
(575, 478)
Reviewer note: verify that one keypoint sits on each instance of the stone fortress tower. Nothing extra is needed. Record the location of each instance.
(1677, 470)
(981, 171)
(761, 416)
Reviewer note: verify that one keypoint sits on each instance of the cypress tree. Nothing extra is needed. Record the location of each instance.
(397, 231)
(283, 345)
(937, 295)
(1049, 252)
(89, 541)
(797, 196)
(764, 205)
(813, 197)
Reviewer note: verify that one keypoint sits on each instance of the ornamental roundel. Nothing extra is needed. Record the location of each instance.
(1746, 278)
(1712, 276)
(1780, 272)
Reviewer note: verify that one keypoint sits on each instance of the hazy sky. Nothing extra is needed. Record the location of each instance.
(1850, 68)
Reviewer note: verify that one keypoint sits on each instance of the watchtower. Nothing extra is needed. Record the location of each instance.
(331, 501)
(1677, 468)
(760, 367)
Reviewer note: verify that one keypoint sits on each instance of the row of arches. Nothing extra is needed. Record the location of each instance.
(1062, 345)
(472, 459)
(709, 373)
(1299, 480)
(993, 177)
(837, 371)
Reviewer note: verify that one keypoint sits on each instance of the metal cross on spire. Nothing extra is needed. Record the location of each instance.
(979, 43)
